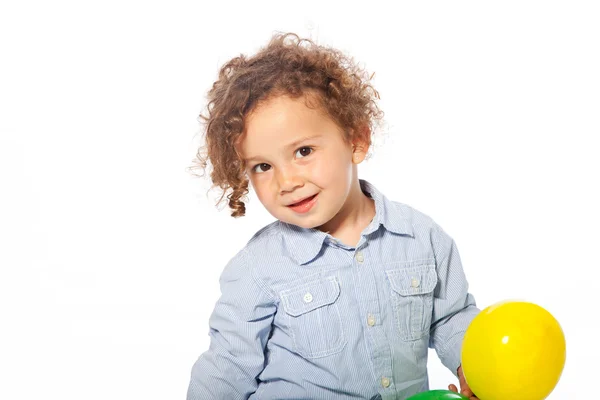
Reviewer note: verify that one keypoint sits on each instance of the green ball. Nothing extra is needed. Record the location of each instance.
(438, 395)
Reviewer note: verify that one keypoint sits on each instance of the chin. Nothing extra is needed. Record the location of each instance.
(306, 223)
(315, 223)
(300, 223)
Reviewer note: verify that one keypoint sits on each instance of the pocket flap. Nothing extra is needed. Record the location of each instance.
(413, 280)
(310, 296)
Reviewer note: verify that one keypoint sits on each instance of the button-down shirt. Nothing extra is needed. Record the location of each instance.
(304, 316)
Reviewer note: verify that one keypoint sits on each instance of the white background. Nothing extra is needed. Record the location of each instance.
(110, 251)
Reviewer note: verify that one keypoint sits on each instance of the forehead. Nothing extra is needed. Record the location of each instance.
(282, 120)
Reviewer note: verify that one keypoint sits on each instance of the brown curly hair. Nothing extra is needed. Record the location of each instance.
(290, 66)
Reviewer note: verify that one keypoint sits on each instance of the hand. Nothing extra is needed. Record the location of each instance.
(465, 390)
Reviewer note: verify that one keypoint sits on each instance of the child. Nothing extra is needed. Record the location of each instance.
(341, 297)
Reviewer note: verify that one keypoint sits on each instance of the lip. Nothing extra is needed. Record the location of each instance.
(299, 200)
(304, 206)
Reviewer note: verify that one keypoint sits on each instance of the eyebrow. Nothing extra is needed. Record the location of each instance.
(292, 145)
(301, 140)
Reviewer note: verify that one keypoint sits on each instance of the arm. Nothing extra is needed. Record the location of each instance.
(453, 306)
(239, 328)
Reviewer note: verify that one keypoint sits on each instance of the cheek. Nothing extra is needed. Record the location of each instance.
(261, 188)
(330, 168)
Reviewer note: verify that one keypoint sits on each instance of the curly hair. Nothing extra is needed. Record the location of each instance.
(290, 66)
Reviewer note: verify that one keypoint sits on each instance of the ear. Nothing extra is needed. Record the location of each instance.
(360, 145)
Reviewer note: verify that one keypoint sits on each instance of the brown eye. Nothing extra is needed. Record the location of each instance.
(303, 152)
(260, 168)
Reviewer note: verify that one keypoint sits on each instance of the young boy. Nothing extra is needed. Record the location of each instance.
(341, 297)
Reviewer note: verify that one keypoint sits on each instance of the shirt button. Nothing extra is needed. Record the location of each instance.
(371, 320)
(308, 298)
(359, 257)
(385, 382)
(415, 283)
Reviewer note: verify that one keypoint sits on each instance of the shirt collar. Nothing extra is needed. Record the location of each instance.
(386, 213)
(305, 244)
(302, 244)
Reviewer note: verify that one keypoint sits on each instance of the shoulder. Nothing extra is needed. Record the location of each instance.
(242, 268)
(417, 219)
(424, 228)
(264, 247)
(264, 237)
(255, 244)
(426, 232)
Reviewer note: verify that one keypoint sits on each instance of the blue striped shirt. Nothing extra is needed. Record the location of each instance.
(304, 316)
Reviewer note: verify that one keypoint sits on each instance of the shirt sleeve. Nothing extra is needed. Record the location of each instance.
(239, 328)
(453, 306)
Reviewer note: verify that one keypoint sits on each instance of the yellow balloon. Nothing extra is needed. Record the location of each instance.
(513, 350)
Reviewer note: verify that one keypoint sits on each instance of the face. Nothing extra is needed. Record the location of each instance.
(299, 164)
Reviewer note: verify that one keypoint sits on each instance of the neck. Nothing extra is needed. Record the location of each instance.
(353, 218)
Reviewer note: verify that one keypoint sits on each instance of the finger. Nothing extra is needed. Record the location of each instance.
(465, 389)
(453, 388)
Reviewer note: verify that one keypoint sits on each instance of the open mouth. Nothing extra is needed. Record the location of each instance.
(304, 206)
(305, 201)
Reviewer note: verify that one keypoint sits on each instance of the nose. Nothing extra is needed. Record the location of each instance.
(288, 179)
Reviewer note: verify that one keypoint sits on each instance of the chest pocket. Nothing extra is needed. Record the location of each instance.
(412, 299)
(314, 319)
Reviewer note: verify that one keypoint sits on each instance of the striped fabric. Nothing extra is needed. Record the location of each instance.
(303, 316)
